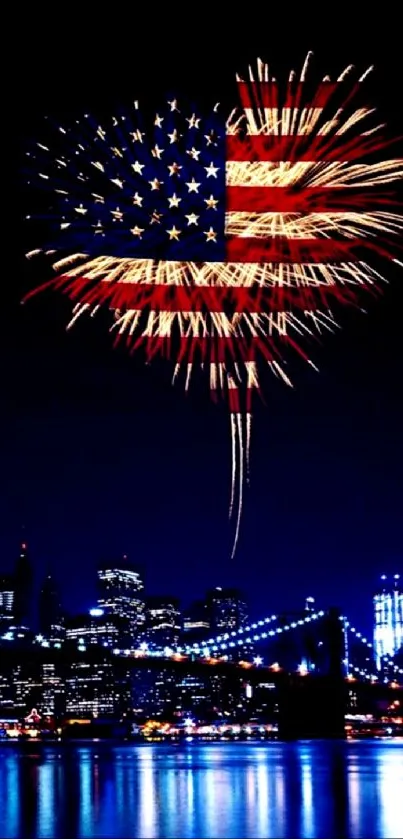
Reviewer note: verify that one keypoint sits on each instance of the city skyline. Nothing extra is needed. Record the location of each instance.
(124, 613)
(121, 657)
(135, 659)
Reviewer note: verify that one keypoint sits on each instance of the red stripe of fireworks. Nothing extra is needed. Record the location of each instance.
(282, 249)
(279, 199)
(299, 148)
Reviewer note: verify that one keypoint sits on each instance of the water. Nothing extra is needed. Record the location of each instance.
(310, 789)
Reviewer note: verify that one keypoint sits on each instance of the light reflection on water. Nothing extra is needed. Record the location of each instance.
(322, 789)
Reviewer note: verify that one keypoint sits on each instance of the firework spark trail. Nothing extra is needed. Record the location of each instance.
(294, 207)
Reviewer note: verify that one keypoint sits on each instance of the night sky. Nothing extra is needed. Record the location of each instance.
(102, 456)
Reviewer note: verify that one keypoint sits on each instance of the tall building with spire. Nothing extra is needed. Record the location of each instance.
(23, 583)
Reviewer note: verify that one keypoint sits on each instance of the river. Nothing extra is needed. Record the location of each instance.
(191, 791)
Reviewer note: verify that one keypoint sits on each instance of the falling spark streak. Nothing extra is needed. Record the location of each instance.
(237, 438)
(254, 310)
(241, 482)
(233, 463)
(248, 438)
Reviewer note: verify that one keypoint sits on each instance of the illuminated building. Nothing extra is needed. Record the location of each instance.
(163, 621)
(52, 698)
(194, 693)
(90, 689)
(51, 622)
(6, 691)
(154, 693)
(227, 609)
(6, 602)
(227, 612)
(97, 628)
(29, 683)
(23, 588)
(120, 593)
(196, 623)
(27, 686)
(97, 688)
(388, 619)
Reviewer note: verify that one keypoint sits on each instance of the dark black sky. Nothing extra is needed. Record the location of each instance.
(100, 456)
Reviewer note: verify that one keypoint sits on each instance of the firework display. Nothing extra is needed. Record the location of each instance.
(222, 241)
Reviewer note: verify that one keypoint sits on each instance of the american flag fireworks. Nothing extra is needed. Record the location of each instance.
(220, 240)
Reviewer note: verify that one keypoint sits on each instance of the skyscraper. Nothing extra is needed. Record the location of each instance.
(120, 593)
(227, 609)
(23, 588)
(196, 622)
(163, 621)
(388, 618)
(6, 597)
(50, 610)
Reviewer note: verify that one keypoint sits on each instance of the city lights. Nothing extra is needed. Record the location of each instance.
(388, 630)
(207, 658)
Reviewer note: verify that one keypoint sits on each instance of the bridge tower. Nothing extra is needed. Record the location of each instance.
(313, 706)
